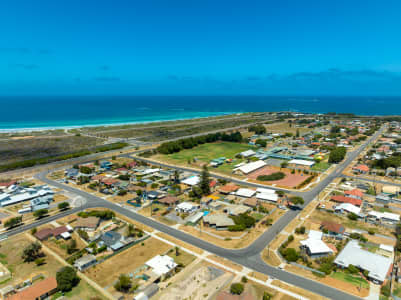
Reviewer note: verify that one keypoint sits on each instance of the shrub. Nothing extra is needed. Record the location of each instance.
(63, 205)
(271, 177)
(352, 269)
(352, 216)
(237, 288)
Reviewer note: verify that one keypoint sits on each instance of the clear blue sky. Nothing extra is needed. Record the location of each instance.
(228, 47)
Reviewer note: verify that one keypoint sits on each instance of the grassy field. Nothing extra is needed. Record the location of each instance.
(355, 280)
(82, 291)
(321, 166)
(207, 152)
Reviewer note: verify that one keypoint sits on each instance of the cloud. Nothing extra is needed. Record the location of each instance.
(107, 79)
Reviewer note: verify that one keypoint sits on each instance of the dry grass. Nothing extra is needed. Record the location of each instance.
(259, 276)
(10, 253)
(225, 262)
(126, 261)
(180, 243)
(284, 127)
(59, 246)
(297, 290)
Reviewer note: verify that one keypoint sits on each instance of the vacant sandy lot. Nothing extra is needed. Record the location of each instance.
(126, 261)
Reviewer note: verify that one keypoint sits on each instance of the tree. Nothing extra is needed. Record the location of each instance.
(261, 142)
(244, 279)
(40, 213)
(85, 170)
(34, 230)
(32, 252)
(267, 296)
(66, 279)
(284, 164)
(123, 283)
(297, 133)
(130, 232)
(63, 205)
(352, 269)
(352, 216)
(176, 177)
(236, 288)
(72, 246)
(205, 181)
(10, 223)
(177, 251)
(297, 200)
(290, 254)
(337, 155)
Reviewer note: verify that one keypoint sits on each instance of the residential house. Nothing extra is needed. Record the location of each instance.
(161, 266)
(112, 239)
(354, 193)
(361, 169)
(228, 188)
(85, 262)
(219, 221)
(314, 246)
(344, 199)
(376, 266)
(41, 290)
(169, 200)
(148, 292)
(333, 229)
(88, 224)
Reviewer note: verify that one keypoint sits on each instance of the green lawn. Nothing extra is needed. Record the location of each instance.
(355, 280)
(257, 216)
(321, 167)
(207, 152)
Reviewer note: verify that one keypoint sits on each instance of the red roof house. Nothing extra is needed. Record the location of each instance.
(344, 199)
(361, 169)
(355, 193)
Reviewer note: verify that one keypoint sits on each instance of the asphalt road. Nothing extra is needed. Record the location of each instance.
(248, 257)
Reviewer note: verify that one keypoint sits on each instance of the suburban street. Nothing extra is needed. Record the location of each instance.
(249, 256)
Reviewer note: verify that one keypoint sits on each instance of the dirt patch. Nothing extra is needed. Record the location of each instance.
(126, 262)
(290, 180)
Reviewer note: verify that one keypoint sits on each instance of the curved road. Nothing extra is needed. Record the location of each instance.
(248, 257)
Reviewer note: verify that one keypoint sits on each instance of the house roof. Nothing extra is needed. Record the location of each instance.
(35, 291)
(192, 180)
(161, 264)
(89, 222)
(168, 200)
(85, 259)
(228, 188)
(316, 246)
(355, 192)
(44, 233)
(378, 266)
(363, 168)
(251, 202)
(344, 199)
(59, 230)
(245, 192)
(110, 238)
(333, 227)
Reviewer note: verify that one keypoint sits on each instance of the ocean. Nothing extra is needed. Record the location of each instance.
(53, 112)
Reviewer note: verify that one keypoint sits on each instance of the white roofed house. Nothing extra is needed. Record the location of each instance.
(246, 193)
(314, 246)
(191, 181)
(161, 266)
(384, 217)
(377, 266)
(187, 207)
(266, 194)
(348, 208)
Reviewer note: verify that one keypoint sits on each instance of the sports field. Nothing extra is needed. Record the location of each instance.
(207, 152)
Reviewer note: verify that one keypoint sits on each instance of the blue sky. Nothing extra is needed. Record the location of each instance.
(200, 47)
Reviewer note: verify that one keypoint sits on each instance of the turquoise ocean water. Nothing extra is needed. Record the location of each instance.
(50, 112)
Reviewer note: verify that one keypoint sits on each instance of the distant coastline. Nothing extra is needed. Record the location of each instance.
(62, 112)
